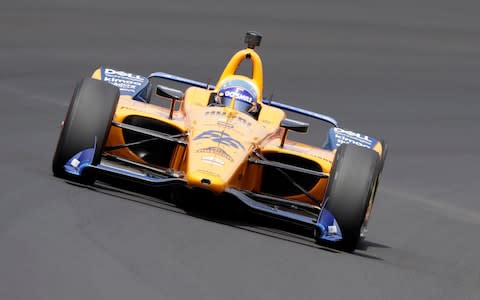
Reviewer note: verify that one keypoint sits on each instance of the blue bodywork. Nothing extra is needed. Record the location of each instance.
(327, 226)
(128, 83)
(79, 162)
(338, 136)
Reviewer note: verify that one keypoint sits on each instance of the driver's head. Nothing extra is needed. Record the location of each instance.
(244, 90)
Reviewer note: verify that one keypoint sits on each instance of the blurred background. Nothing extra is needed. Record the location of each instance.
(406, 71)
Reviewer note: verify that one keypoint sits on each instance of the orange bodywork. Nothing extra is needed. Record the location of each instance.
(220, 140)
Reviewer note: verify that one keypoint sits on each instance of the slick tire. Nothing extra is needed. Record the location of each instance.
(379, 172)
(88, 119)
(351, 189)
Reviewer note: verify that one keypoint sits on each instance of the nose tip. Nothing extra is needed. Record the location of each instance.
(205, 181)
(211, 182)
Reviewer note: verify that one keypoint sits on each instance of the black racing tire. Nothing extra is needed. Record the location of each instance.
(377, 181)
(89, 116)
(350, 190)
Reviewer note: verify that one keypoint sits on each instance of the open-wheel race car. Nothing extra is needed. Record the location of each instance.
(226, 139)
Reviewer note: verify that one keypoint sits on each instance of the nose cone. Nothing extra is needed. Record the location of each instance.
(214, 157)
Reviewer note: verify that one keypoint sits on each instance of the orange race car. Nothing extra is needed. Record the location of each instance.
(225, 138)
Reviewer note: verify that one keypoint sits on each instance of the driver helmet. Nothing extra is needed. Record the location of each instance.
(244, 90)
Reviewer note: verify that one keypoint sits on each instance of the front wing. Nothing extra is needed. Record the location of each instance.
(317, 218)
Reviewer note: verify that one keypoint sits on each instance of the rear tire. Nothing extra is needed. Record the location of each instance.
(89, 116)
(350, 190)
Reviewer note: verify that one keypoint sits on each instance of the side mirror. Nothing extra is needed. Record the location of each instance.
(173, 94)
(167, 92)
(294, 125)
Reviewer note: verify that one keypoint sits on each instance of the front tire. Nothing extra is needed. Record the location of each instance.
(88, 118)
(350, 190)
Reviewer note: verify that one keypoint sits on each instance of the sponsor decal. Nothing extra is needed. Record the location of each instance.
(240, 89)
(332, 229)
(212, 160)
(238, 93)
(115, 73)
(126, 82)
(319, 156)
(208, 172)
(123, 84)
(215, 113)
(359, 136)
(242, 121)
(221, 138)
(222, 115)
(217, 151)
(75, 162)
(349, 137)
(225, 124)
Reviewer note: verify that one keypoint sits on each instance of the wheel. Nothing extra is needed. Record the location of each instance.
(350, 190)
(89, 117)
(364, 229)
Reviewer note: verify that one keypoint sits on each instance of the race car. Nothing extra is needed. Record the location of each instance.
(227, 139)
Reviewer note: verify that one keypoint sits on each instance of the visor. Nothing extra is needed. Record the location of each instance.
(239, 104)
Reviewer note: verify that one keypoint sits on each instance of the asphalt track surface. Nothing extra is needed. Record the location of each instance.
(407, 71)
